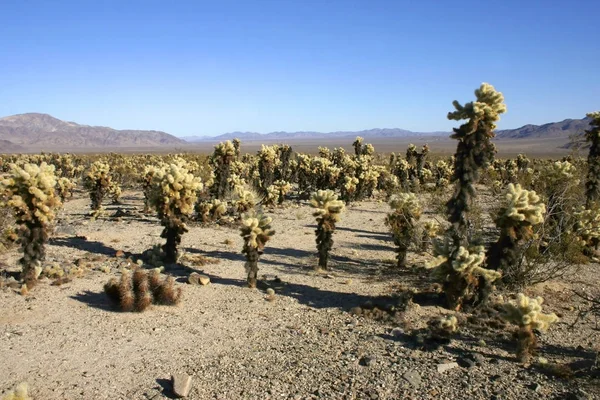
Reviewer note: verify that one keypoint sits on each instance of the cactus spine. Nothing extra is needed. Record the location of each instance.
(30, 191)
(327, 212)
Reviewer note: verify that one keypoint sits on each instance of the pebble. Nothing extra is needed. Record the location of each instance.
(182, 384)
(446, 367)
(413, 377)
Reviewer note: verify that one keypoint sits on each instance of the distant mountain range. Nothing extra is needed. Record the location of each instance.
(34, 131)
(303, 135)
(564, 129)
(42, 131)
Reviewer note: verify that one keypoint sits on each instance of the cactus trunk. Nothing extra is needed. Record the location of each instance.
(324, 245)
(252, 267)
(33, 239)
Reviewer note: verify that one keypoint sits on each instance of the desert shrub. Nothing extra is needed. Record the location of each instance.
(406, 210)
(527, 314)
(173, 195)
(97, 181)
(327, 212)
(256, 231)
(30, 191)
(137, 291)
(459, 263)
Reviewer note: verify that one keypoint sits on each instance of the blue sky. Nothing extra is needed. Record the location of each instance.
(210, 67)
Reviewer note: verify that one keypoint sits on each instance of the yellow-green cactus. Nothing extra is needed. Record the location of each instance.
(256, 231)
(459, 270)
(221, 161)
(173, 195)
(31, 193)
(21, 392)
(587, 226)
(406, 210)
(282, 188)
(97, 180)
(64, 187)
(527, 314)
(328, 210)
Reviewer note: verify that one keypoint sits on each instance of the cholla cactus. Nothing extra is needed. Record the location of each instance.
(348, 188)
(115, 192)
(592, 185)
(429, 230)
(527, 314)
(30, 191)
(64, 187)
(173, 195)
(406, 210)
(522, 162)
(245, 200)
(587, 226)
(20, 393)
(282, 189)
(146, 181)
(210, 211)
(358, 143)
(458, 263)
(97, 181)
(460, 270)
(137, 291)
(256, 231)
(268, 160)
(221, 160)
(522, 210)
(327, 211)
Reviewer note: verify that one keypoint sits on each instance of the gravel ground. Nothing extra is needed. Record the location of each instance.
(68, 342)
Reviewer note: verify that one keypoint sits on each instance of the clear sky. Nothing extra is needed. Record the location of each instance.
(210, 67)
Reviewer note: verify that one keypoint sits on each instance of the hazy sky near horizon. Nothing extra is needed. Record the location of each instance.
(210, 67)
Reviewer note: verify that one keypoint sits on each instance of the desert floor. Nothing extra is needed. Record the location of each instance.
(69, 342)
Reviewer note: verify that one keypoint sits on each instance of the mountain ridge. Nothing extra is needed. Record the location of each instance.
(44, 130)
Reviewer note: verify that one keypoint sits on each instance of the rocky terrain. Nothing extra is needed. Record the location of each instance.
(330, 335)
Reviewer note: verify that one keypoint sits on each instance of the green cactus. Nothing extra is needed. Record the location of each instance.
(30, 192)
(173, 195)
(527, 314)
(256, 231)
(64, 187)
(406, 210)
(221, 161)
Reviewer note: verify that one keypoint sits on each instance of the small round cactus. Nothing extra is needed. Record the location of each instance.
(256, 231)
(173, 195)
(30, 191)
(328, 210)
(527, 314)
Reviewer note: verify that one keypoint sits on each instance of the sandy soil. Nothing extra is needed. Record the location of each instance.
(68, 342)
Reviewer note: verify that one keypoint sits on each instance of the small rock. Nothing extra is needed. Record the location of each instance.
(413, 377)
(446, 367)
(198, 279)
(366, 361)
(120, 254)
(356, 311)
(182, 383)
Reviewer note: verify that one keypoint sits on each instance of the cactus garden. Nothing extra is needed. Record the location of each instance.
(344, 273)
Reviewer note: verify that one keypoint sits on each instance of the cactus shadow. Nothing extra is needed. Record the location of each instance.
(97, 300)
(84, 244)
(166, 386)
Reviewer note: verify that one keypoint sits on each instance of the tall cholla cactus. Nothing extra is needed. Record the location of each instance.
(460, 271)
(458, 263)
(31, 193)
(221, 159)
(522, 210)
(64, 187)
(406, 210)
(97, 181)
(327, 211)
(281, 188)
(173, 195)
(256, 231)
(475, 151)
(358, 145)
(592, 185)
(268, 160)
(527, 314)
